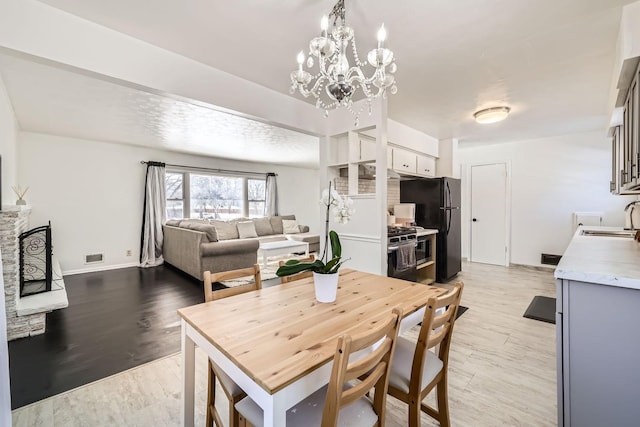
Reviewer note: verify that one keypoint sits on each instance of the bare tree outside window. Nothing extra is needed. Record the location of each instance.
(256, 197)
(174, 184)
(216, 197)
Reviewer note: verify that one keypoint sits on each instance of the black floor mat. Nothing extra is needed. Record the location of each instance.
(461, 311)
(542, 308)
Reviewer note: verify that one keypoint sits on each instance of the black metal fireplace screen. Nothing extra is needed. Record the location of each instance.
(35, 261)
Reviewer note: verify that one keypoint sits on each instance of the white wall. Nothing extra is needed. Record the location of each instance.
(448, 163)
(408, 137)
(92, 192)
(551, 179)
(8, 146)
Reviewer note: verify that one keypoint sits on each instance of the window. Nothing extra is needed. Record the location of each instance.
(207, 196)
(256, 189)
(174, 183)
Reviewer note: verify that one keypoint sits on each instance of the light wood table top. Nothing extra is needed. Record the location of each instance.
(279, 334)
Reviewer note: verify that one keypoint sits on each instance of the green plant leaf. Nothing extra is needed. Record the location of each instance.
(337, 266)
(336, 248)
(332, 262)
(299, 267)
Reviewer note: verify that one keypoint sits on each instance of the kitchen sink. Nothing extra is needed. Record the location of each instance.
(610, 233)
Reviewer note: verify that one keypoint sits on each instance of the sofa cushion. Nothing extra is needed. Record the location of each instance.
(290, 226)
(276, 222)
(246, 229)
(183, 222)
(208, 229)
(173, 222)
(227, 230)
(263, 226)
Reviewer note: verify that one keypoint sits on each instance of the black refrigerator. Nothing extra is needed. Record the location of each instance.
(438, 207)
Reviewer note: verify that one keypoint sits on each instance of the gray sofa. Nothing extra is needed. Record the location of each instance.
(198, 245)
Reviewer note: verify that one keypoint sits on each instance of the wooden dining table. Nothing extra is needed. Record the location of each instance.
(277, 343)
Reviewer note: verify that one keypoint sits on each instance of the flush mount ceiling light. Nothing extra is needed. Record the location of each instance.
(491, 115)
(336, 81)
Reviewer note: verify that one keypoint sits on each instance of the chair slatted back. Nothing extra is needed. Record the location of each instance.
(436, 330)
(372, 370)
(211, 278)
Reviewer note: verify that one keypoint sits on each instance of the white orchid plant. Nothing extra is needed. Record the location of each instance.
(342, 208)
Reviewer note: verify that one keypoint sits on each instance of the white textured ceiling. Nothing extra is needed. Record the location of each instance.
(52, 100)
(550, 60)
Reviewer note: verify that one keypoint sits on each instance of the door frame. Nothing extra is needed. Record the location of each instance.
(507, 234)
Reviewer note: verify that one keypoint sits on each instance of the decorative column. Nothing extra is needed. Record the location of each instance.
(14, 220)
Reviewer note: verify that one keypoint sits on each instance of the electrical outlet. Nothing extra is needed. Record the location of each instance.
(128, 252)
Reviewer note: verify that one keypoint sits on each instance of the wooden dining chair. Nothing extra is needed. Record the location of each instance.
(233, 392)
(416, 369)
(304, 274)
(346, 402)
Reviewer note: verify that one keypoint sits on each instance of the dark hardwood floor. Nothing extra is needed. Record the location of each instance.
(116, 320)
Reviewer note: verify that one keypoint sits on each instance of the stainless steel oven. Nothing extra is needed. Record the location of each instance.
(401, 260)
(424, 251)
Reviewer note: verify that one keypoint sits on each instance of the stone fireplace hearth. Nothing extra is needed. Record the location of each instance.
(25, 316)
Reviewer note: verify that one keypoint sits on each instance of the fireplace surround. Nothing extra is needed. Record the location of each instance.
(26, 316)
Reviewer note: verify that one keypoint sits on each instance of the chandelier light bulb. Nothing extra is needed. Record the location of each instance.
(324, 25)
(300, 59)
(382, 36)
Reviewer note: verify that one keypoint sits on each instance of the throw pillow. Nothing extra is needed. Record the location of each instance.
(290, 226)
(263, 226)
(226, 230)
(173, 222)
(207, 229)
(246, 229)
(276, 222)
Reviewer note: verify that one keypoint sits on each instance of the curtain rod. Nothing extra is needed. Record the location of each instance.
(213, 170)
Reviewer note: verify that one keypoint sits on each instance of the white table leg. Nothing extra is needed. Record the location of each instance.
(275, 415)
(188, 377)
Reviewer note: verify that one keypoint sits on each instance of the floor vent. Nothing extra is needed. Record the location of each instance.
(550, 259)
(91, 259)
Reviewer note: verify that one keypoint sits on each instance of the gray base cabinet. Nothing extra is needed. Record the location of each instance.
(598, 337)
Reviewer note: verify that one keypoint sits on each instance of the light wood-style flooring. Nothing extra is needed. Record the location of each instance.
(502, 369)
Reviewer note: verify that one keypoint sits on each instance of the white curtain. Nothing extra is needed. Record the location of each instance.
(154, 215)
(271, 196)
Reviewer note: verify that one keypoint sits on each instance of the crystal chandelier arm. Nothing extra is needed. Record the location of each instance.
(315, 89)
(355, 54)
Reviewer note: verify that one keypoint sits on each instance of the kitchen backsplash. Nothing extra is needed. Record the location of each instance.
(368, 186)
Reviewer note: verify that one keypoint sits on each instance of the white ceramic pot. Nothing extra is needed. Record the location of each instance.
(326, 286)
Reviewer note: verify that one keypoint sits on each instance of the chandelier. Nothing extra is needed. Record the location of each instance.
(337, 81)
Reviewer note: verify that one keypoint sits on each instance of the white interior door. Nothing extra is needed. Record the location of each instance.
(489, 214)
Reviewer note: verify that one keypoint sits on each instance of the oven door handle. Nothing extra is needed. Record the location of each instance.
(395, 248)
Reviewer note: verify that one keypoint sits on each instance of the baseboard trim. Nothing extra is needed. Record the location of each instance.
(100, 268)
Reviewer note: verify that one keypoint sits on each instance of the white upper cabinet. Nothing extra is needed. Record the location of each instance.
(404, 161)
(367, 150)
(426, 166)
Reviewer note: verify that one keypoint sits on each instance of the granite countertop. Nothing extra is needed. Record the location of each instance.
(612, 261)
(425, 231)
